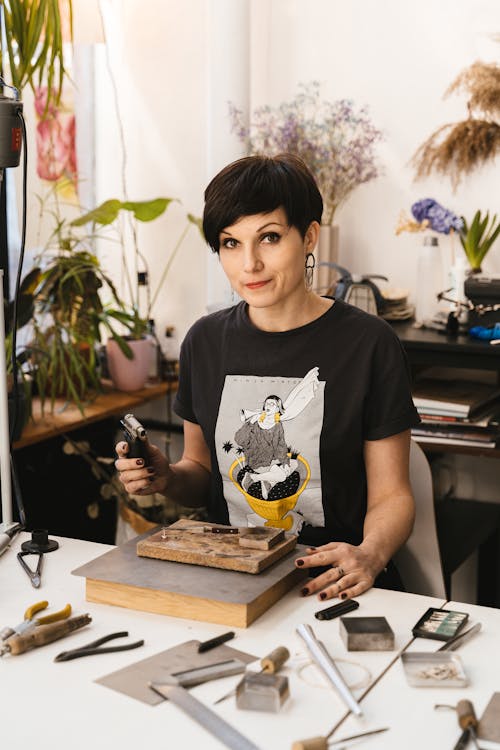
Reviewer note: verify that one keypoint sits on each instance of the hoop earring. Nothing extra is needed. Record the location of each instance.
(308, 270)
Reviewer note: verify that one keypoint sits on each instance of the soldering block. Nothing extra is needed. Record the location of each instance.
(262, 692)
(366, 633)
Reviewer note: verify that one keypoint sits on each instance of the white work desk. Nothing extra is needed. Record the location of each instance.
(410, 712)
(58, 705)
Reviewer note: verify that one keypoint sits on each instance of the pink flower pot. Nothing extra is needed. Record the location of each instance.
(129, 374)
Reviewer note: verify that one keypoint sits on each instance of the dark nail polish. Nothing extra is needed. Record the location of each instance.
(151, 470)
(304, 592)
(151, 479)
(343, 596)
(139, 462)
(299, 563)
(322, 596)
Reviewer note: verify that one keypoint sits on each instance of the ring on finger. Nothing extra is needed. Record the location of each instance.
(341, 571)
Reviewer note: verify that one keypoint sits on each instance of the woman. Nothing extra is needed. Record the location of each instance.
(346, 408)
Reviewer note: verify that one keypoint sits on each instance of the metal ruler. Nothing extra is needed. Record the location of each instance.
(200, 713)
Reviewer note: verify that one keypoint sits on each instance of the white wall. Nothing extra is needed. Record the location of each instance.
(157, 52)
(393, 55)
(397, 57)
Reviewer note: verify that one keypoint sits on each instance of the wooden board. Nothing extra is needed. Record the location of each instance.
(176, 543)
(226, 597)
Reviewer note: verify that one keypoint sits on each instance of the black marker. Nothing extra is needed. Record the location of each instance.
(213, 642)
(338, 609)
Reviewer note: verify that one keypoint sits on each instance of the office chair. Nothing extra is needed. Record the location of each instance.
(419, 560)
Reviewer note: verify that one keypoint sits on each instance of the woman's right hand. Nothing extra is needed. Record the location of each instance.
(139, 479)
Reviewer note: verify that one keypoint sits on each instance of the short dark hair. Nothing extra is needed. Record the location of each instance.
(259, 185)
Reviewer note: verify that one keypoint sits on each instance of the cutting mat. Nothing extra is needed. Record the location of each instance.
(181, 543)
(226, 597)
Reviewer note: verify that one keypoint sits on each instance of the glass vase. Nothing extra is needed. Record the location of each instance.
(327, 250)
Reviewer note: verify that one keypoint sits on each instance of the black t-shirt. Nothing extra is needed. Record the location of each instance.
(285, 416)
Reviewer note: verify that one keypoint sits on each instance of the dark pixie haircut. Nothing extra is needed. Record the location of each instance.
(259, 185)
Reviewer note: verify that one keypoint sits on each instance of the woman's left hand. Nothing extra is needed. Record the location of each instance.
(353, 570)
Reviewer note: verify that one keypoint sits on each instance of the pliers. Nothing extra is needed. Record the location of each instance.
(93, 648)
(30, 621)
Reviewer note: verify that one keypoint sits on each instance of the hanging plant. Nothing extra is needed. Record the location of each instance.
(34, 44)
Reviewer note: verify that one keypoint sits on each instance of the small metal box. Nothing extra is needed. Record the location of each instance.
(366, 634)
(262, 692)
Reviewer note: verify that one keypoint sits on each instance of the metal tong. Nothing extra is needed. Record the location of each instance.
(35, 576)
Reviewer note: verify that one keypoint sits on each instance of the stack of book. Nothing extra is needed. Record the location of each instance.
(457, 412)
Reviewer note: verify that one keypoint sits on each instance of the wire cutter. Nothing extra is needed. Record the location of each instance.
(94, 647)
(30, 621)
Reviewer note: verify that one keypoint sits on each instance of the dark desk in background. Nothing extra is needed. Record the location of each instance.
(463, 525)
(431, 348)
(60, 489)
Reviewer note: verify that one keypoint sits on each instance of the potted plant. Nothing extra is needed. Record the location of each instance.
(129, 356)
(19, 382)
(478, 237)
(34, 44)
(335, 139)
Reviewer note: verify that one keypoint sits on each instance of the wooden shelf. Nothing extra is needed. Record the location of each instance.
(67, 417)
(470, 450)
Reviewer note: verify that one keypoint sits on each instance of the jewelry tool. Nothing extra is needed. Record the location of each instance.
(270, 664)
(338, 609)
(324, 661)
(31, 621)
(198, 675)
(136, 438)
(6, 537)
(322, 743)
(200, 713)
(467, 721)
(461, 638)
(39, 544)
(94, 647)
(214, 642)
(262, 691)
(43, 634)
(35, 575)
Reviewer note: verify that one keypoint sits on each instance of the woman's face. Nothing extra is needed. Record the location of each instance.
(270, 406)
(264, 259)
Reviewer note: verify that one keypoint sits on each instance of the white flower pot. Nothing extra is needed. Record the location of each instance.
(129, 374)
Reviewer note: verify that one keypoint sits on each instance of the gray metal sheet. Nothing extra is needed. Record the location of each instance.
(134, 680)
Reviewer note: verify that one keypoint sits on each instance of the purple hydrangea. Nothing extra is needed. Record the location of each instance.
(440, 219)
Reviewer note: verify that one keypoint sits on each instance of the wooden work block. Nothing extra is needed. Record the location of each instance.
(366, 633)
(226, 597)
(249, 550)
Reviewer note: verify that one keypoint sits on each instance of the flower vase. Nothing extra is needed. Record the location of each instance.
(129, 374)
(327, 251)
(429, 279)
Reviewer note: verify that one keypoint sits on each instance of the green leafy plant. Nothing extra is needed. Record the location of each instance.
(34, 44)
(108, 213)
(478, 237)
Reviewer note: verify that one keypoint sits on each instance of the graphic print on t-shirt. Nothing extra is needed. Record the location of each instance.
(267, 442)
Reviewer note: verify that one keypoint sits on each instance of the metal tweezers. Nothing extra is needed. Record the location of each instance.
(93, 648)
